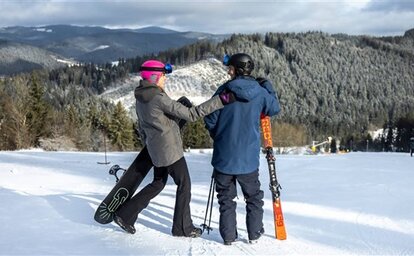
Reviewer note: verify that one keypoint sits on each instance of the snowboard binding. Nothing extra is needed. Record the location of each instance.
(114, 171)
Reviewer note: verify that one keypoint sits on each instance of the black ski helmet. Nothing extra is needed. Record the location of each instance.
(242, 62)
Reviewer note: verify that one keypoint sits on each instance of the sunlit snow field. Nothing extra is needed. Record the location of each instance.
(356, 203)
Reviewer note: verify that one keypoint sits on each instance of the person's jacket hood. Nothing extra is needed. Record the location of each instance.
(146, 91)
(244, 88)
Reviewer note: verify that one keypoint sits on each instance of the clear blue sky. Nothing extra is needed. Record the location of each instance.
(372, 17)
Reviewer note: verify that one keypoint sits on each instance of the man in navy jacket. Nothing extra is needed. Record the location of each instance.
(236, 135)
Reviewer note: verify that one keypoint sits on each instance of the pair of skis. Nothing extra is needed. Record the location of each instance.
(279, 223)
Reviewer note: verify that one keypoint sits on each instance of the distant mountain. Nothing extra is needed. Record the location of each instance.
(16, 58)
(155, 30)
(102, 45)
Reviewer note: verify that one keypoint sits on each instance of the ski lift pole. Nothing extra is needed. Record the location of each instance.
(106, 161)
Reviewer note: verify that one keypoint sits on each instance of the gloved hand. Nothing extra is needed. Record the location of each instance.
(227, 97)
(185, 101)
(266, 84)
(261, 80)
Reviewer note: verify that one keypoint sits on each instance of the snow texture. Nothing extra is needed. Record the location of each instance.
(345, 204)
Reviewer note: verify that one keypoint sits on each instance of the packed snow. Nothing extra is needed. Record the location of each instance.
(344, 204)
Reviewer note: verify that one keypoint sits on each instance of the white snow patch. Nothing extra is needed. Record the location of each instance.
(376, 134)
(43, 30)
(68, 62)
(101, 47)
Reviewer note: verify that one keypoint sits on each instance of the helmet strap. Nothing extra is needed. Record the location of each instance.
(151, 69)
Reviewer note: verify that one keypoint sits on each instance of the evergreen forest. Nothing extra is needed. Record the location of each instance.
(328, 85)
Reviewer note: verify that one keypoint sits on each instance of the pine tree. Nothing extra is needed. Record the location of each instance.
(333, 146)
(405, 130)
(121, 130)
(72, 122)
(38, 117)
(389, 138)
(195, 135)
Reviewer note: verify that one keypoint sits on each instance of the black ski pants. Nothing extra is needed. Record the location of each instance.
(253, 196)
(182, 223)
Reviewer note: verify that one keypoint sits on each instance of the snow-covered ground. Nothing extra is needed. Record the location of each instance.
(348, 204)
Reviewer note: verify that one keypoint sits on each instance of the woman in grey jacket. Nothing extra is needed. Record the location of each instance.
(157, 114)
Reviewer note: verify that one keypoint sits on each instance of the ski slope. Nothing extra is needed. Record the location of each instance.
(348, 204)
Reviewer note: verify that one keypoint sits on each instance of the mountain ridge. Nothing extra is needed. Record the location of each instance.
(94, 44)
(16, 58)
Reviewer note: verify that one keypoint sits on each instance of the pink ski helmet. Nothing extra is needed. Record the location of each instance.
(152, 70)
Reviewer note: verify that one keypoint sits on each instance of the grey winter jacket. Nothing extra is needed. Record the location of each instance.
(156, 120)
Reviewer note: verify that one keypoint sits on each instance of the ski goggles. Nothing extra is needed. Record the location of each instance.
(167, 69)
(226, 60)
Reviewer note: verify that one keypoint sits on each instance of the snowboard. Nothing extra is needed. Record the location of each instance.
(129, 181)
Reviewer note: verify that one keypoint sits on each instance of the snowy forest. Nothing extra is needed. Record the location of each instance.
(328, 85)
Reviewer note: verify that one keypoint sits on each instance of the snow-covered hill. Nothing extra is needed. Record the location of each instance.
(16, 57)
(348, 204)
(198, 82)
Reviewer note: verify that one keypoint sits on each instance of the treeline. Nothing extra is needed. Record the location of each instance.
(393, 137)
(60, 107)
(396, 135)
(61, 110)
(328, 85)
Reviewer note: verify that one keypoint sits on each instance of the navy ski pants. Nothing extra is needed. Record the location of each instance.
(253, 196)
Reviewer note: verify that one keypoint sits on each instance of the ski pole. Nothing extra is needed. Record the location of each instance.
(209, 203)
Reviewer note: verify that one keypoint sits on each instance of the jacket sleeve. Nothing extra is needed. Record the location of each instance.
(211, 121)
(271, 102)
(268, 86)
(176, 109)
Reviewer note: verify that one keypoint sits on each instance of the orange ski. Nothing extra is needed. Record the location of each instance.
(280, 230)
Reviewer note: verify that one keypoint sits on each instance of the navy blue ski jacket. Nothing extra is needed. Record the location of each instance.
(235, 129)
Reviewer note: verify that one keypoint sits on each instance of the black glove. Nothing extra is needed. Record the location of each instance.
(266, 84)
(227, 97)
(185, 101)
(261, 80)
